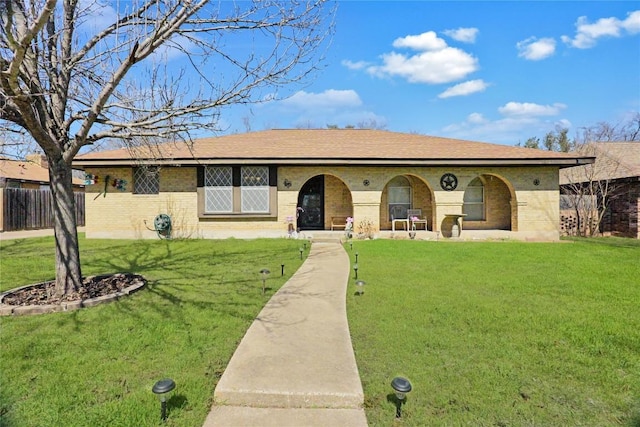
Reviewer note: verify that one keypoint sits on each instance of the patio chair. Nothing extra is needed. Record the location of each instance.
(416, 213)
(399, 214)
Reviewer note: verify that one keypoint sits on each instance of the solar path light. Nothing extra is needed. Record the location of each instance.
(162, 389)
(265, 273)
(401, 386)
(301, 250)
(355, 269)
(360, 286)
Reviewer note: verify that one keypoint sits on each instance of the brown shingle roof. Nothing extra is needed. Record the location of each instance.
(24, 170)
(614, 160)
(346, 146)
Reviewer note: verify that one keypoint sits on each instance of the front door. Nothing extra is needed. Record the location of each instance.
(311, 202)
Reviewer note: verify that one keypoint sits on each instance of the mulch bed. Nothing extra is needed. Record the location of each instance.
(92, 287)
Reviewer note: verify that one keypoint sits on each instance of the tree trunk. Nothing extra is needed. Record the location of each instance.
(68, 273)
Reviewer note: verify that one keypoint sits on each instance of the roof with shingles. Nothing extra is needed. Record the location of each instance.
(614, 160)
(28, 171)
(23, 170)
(348, 146)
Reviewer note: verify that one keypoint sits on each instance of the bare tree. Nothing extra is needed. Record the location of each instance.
(628, 130)
(78, 73)
(589, 190)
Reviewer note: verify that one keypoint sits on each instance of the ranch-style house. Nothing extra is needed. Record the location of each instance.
(275, 182)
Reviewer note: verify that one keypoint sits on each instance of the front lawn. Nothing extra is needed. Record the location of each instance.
(96, 367)
(499, 333)
(489, 333)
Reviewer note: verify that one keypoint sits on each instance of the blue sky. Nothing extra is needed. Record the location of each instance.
(497, 71)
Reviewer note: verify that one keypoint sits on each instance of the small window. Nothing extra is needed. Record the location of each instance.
(399, 197)
(473, 205)
(146, 180)
(218, 187)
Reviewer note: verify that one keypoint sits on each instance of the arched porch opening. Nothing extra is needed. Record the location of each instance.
(321, 200)
(404, 192)
(489, 203)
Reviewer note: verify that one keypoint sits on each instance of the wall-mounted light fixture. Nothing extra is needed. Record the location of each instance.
(366, 182)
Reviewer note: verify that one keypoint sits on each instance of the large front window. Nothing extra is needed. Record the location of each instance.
(237, 189)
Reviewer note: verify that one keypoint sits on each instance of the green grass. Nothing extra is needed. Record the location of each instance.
(489, 334)
(96, 367)
(499, 333)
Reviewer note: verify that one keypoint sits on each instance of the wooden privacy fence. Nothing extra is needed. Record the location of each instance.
(25, 209)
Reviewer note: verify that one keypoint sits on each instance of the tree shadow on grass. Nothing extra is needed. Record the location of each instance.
(193, 275)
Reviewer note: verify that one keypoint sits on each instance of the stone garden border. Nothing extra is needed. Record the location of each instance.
(22, 310)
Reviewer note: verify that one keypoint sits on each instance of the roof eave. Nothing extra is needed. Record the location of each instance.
(560, 162)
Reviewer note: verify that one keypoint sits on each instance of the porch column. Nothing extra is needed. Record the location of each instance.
(446, 203)
(366, 206)
(287, 203)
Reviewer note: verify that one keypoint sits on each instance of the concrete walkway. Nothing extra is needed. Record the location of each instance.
(295, 365)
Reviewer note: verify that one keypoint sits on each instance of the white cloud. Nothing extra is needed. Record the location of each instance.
(530, 109)
(317, 110)
(433, 67)
(587, 34)
(434, 63)
(466, 88)
(536, 49)
(359, 65)
(329, 99)
(476, 118)
(632, 23)
(465, 35)
(516, 119)
(424, 41)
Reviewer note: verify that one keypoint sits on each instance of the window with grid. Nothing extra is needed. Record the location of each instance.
(473, 205)
(399, 197)
(255, 189)
(146, 180)
(218, 189)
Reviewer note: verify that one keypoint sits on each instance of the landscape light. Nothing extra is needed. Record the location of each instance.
(264, 273)
(162, 389)
(401, 386)
(360, 286)
(355, 269)
(301, 250)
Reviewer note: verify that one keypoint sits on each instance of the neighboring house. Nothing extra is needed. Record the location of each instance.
(18, 208)
(254, 184)
(31, 173)
(616, 172)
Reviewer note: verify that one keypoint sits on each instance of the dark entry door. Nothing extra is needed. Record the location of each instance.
(311, 200)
